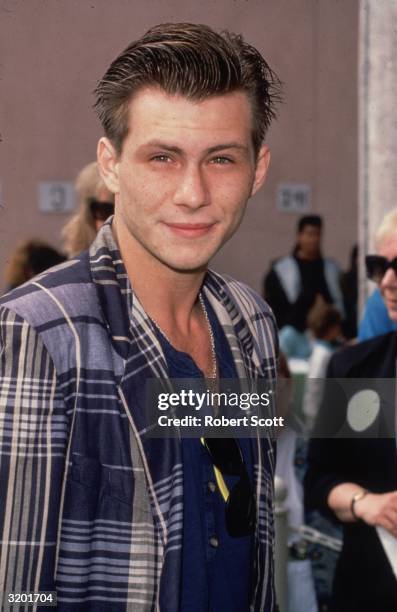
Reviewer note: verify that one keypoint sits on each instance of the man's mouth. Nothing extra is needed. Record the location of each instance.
(190, 230)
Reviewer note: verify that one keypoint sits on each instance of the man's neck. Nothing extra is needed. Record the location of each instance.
(168, 296)
(307, 256)
(170, 299)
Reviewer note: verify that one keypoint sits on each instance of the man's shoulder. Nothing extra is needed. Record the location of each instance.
(372, 358)
(242, 294)
(283, 260)
(244, 302)
(252, 320)
(56, 289)
(285, 265)
(331, 263)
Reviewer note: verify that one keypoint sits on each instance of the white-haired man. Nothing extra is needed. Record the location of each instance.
(380, 314)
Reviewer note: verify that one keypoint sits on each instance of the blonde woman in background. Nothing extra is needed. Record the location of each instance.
(95, 205)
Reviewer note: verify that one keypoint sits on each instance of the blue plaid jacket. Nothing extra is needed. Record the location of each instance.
(89, 506)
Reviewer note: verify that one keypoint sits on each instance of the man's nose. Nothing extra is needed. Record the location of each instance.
(192, 189)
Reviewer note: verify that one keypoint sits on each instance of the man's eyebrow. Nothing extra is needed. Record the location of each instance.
(228, 145)
(159, 144)
(174, 149)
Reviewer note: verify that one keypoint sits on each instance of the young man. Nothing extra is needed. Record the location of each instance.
(112, 519)
(303, 273)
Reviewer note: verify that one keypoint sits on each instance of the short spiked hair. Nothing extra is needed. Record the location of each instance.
(190, 60)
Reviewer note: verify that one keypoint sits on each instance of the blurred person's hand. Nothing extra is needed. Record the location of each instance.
(375, 509)
(379, 509)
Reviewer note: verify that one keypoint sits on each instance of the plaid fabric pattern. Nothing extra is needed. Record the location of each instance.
(90, 506)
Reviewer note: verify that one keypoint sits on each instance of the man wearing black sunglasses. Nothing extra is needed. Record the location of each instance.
(380, 315)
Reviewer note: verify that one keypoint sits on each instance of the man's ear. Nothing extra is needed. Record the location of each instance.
(108, 164)
(262, 164)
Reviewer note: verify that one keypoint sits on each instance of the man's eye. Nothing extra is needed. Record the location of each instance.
(220, 159)
(161, 158)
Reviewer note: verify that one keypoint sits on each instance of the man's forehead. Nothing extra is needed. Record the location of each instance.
(388, 247)
(163, 144)
(157, 117)
(311, 228)
(155, 103)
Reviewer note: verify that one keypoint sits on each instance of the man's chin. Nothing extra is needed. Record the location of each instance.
(187, 262)
(186, 266)
(191, 269)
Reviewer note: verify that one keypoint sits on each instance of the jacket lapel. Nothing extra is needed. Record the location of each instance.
(133, 337)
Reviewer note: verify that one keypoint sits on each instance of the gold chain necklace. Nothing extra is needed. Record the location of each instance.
(214, 365)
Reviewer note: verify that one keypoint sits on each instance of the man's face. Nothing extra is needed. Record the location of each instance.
(184, 176)
(388, 284)
(309, 240)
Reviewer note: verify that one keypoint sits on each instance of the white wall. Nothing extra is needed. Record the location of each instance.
(53, 51)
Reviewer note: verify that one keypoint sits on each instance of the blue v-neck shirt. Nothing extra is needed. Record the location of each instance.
(216, 568)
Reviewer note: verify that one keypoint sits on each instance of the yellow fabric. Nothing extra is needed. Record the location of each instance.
(221, 484)
(224, 491)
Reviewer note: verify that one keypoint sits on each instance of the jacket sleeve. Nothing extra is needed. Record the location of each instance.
(33, 437)
(276, 298)
(329, 457)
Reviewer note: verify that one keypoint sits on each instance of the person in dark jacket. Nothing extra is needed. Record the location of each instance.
(349, 286)
(304, 272)
(352, 474)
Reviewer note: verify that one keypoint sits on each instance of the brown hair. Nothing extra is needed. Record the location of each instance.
(31, 257)
(79, 231)
(191, 60)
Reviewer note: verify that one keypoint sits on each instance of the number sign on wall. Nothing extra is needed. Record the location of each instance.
(56, 197)
(293, 197)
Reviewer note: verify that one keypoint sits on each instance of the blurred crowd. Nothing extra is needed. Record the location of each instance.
(94, 205)
(340, 468)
